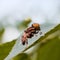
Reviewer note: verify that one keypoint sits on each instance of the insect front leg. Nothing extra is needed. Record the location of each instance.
(40, 33)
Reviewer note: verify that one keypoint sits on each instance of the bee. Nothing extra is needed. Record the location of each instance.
(30, 32)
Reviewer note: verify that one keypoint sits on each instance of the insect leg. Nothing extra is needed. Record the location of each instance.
(23, 42)
(40, 33)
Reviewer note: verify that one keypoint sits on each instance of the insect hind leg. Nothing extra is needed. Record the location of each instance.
(23, 43)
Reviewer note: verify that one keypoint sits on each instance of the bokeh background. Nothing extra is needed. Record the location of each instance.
(13, 12)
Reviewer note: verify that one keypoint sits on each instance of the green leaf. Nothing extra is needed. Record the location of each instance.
(50, 50)
(42, 50)
(1, 32)
(5, 49)
(22, 56)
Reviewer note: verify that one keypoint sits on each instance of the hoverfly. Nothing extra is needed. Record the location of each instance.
(30, 32)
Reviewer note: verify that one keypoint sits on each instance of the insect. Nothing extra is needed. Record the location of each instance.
(30, 32)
